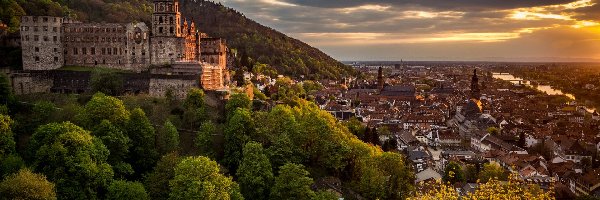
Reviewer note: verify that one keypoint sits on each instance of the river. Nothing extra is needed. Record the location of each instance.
(543, 88)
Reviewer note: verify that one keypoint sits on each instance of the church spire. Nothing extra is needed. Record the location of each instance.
(380, 80)
(475, 93)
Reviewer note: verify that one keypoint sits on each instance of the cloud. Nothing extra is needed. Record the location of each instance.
(343, 26)
(436, 4)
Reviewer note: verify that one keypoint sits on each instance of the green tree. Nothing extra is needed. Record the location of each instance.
(7, 140)
(204, 139)
(195, 110)
(255, 174)
(27, 185)
(143, 150)
(492, 171)
(118, 145)
(72, 158)
(10, 164)
(471, 173)
(121, 189)
(325, 195)
(157, 182)
(237, 100)
(107, 82)
(356, 128)
(292, 182)
(102, 107)
(311, 86)
(274, 129)
(194, 99)
(6, 95)
(237, 132)
(199, 178)
(10, 13)
(453, 173)
(258, 94)
(168, 138)
(400, 179)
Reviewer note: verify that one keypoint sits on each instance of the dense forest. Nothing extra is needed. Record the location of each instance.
(252, 42)
(96, 146)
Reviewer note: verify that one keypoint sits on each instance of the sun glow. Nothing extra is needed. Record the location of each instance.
(563, 12)
(378, 8)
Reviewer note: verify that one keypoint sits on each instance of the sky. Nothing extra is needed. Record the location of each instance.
(469, 30)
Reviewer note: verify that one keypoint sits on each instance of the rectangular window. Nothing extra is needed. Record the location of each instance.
(75, 51)
(55, 29)
(36, 38)
(35, 28)
(109, 51)
(45, 38)
(55, 38)
(27, 37)
(93, 51)
(55, 50)
(45, 19)
(37, 59)
(46, 28)
(84, 51)
(103, 51)
(55, 59)
(37, 49)
(115, 51)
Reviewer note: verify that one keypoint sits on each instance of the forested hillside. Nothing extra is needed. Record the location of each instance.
(246, 37)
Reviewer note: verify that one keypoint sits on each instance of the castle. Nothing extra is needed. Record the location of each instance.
(170, 46)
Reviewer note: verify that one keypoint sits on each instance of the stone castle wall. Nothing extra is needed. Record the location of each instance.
(31, 83)
(138, 46)
(52, 42)
(41, 42)
(167, 50)
(178, 85)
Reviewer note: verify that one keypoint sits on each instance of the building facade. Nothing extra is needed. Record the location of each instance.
(50, 43)
(41, 42)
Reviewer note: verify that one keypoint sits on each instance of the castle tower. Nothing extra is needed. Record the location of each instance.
(475, 93)
(41, 42)
(166, 18)
(168, 43)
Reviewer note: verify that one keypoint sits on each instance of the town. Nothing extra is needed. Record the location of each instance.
(465, 115)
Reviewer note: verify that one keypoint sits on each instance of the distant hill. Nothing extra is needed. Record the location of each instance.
(262, 44)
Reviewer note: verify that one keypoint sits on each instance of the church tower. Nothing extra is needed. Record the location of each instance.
(166, 19)
(380, 80)
(475, 93)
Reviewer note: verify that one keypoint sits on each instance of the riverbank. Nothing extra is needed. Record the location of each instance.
(548, 89)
